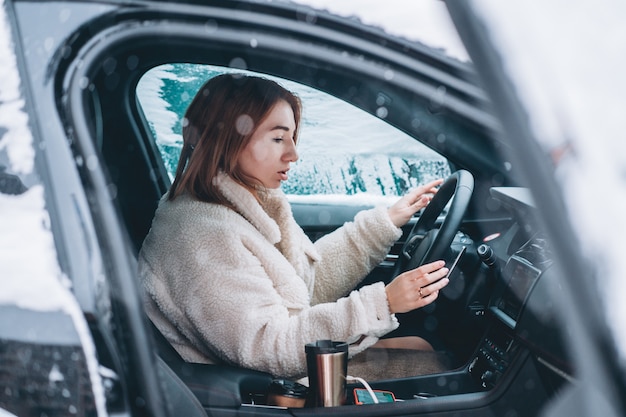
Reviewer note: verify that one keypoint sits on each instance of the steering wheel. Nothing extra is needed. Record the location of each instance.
(425, 243)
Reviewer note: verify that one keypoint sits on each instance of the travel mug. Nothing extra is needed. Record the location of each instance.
(327, 366)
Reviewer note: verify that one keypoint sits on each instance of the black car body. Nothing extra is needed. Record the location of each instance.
(83, 175)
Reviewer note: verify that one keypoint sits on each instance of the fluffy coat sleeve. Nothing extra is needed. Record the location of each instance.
(351, 252)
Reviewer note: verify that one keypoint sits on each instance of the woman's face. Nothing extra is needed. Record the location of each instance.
(271, 148)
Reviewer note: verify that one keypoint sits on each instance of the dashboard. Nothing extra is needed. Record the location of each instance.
(520, 360)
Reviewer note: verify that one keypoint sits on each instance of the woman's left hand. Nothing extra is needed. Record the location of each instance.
(402, 211)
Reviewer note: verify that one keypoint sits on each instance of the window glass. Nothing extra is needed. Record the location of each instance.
(344, 152)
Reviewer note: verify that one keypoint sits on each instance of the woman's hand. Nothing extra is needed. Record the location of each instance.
(402, 211)
(416, 288)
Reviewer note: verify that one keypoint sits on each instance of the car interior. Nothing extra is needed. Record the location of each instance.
(497, 321)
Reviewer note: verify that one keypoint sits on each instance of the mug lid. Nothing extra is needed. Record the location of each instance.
(326, 346)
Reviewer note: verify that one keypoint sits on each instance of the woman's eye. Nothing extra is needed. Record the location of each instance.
(278, 139)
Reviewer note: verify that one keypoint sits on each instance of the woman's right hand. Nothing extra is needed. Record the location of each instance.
(417, 287)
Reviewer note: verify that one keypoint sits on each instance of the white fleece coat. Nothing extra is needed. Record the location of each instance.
(249, 288)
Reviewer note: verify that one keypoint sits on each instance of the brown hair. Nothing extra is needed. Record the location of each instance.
(218, 124)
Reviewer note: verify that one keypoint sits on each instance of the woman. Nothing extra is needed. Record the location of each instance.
(231, 277)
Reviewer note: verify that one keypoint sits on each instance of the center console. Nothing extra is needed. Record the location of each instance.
(495, 353)
(500, 345)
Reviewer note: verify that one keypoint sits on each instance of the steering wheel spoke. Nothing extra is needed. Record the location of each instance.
(411, 245)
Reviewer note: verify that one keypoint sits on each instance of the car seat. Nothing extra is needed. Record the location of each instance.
(215, 385)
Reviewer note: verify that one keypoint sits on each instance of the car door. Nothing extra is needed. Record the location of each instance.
(85, 75)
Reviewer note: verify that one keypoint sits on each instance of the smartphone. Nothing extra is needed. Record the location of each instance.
(456, 261)
(362, 396)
